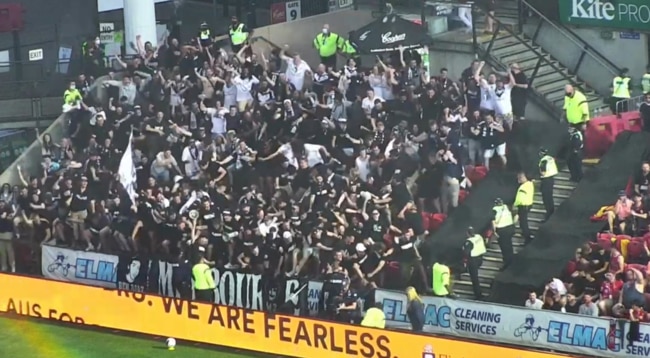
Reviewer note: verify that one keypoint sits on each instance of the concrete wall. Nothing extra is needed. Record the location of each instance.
(632, 54)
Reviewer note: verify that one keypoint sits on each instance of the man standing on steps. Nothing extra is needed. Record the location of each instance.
(503, 226)
(576, 108)
(523, 203)
(474, 249)
(574, 159)
(620, 92)
(548, 171)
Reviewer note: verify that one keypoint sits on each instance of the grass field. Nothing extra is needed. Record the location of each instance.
(40, 339)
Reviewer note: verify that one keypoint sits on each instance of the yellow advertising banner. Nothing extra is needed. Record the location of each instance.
(226, 326)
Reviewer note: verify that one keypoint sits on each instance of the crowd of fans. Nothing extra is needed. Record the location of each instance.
(260, 161)
(608, 276)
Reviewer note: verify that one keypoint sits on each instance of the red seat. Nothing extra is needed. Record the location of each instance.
(605, 235)
(462, 195)
(479, 173)
(468, 169)
(632, 121)
(605, 243)
(639, 267)
(426, 220)
(571, 267)
(600, 134)
(436, 221)
(389, 239)
(635, 250)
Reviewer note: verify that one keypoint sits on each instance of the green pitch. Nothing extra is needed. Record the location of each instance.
(40, 339)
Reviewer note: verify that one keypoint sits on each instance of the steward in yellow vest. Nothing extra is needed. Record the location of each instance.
(441, 277)
(474, 248)
(523, 202)
(205, 35)
(620, 92)
(72, 96)
(239, 34)
(347, 49)
(645, 81)
(548, 171)
(375, 317)
(327, 43)
(503, 225)
(204, 285)
(576, 108)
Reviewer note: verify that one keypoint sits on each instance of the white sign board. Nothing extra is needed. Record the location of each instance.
(332, 5)
(106, 32)
(36, 55)
(110, 5)
(293, 10)
(345, 3)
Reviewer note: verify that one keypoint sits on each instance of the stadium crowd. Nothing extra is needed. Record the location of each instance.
(260, 161)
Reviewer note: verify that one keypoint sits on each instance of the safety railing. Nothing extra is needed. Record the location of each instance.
(630, 104)
(527, 11)
(486, 54)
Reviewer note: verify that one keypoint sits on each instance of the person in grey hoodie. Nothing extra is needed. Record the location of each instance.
(128, 90)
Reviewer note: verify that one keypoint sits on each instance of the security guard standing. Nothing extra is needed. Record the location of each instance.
(574, 158)
(327, 43)
(349, 51)
(523, 203)
(547, 171)
(503, 225)
(72, 97)
(204, 285)
(205, 34)
(474, 249)
(239, 34)
(620, 92)
(576, 108)
(441, 277)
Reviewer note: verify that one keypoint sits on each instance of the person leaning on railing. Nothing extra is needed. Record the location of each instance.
(576, 108)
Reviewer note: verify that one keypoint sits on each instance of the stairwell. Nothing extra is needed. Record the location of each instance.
(493, 260)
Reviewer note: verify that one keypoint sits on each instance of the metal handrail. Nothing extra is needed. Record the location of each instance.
(615, 70)
(631, 104)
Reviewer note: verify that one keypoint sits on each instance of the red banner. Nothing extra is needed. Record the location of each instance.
(278, 13)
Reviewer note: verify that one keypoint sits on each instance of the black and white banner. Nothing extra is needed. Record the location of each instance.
(86, 268)
(133, 274)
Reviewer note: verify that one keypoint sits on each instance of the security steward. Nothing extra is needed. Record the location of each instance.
(375, 317)
(441, 276)
(523, 203)
(547, 171)
(503, 226)
(574, 158)
(349, 51)
(645, 81)
(239, 34)
(205, 35)
(474, 249)
(327, 43)
(620, 92)
(204, 285)
(576, 108)
(333, 284)
(72, 96)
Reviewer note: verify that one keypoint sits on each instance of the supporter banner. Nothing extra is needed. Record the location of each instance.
(88, 268)
(274, 334)
(133, 273)
(519, 326)
(313, 297)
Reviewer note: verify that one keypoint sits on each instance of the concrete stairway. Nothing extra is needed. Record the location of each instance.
(492, 260)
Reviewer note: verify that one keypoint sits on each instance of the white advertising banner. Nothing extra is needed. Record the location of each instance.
(570, 333)
(87, 268)
(313, 297)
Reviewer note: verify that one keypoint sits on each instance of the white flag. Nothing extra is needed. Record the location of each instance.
(127, 171)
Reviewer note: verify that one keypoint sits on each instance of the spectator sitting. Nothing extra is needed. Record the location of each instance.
(588, 308)
(534, 302)
(620, 216)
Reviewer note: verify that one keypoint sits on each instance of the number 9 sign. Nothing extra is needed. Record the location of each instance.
(293, 10)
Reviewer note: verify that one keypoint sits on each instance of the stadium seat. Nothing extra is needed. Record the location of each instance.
(479, 173)
(571, 267)
(639, 267)
(635, 251)
(622, 241)
(426, 220)
(605, 243)
(606, 236)
(389, 239)
(436, 221)
(462, 195)
(632, 121)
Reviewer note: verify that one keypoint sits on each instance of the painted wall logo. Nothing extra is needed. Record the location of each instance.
(364, 36)
(390, 38)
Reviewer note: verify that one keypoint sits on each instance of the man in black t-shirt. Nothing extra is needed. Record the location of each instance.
(368, 267)
(642, 180)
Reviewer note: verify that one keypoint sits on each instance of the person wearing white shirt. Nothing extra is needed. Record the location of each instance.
(219, 123)
(191, 157)
(362, 163)
(533, 302)
(310, 151)
(502, 101)
(368, 103)
(244, 85)
(296, 70)
(487, 94)
(229, 92)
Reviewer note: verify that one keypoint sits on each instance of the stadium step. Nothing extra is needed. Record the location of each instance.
(515, 47)
(493, 259)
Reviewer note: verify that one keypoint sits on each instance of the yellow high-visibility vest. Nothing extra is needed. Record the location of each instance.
(203, 279)
(502, 217)
(576, 108)
(204, 35)
(645, 83)
(71, 96)
(374, 318)
(326, 45)
(621, 87)
(551, 167)
(525, 194)
(478, 248)
(347, 48)
(440, 278)
(237, 35)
